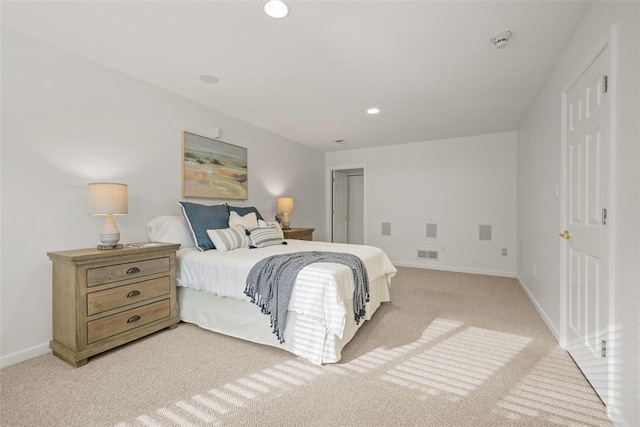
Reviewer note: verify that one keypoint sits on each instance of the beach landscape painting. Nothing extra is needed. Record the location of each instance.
(213, 169)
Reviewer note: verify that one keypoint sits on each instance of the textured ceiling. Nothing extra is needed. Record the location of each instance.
(428, 65)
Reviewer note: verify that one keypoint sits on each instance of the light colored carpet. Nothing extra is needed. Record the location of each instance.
(450, 350)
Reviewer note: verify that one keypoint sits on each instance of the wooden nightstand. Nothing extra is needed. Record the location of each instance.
(106, 298)
(299, 233)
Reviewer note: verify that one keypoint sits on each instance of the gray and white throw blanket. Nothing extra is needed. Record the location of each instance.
(270, 283)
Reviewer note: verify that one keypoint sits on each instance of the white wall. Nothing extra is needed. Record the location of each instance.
(67, 122)
(457, 183)
(539, 212)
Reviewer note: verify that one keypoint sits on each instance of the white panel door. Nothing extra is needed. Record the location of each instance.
(586, 314)
(340, 191)
(355, 210)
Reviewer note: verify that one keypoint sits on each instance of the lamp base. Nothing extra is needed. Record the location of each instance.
(286, 225)
(106, 247)
(109, 234)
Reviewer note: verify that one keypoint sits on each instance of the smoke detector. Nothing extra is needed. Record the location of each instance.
(501, 39)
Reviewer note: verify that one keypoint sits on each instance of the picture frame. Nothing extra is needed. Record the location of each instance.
(213, 169)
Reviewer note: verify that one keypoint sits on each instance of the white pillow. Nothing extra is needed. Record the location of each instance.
(264, 224)
(249, 220)
(170, 229)
(228, 239)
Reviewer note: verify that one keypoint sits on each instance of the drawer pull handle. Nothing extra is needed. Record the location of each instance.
(133, 294)
(133, 270)
(133, 319)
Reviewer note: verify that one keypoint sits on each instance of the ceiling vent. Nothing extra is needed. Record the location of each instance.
(501, 39)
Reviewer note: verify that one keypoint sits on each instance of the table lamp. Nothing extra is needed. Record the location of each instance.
(285, 206)
(108, 199)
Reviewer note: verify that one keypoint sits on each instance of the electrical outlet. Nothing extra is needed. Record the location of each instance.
(504, 251)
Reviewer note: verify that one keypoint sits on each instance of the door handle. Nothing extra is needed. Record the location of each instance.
(565, 234)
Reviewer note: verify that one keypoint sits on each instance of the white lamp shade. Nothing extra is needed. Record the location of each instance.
(285, 204)
(107, 198)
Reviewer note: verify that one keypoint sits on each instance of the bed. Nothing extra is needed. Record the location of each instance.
(320, 319)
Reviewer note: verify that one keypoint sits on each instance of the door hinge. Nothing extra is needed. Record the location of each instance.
(605, 84)
(604, 216)
(603, 348)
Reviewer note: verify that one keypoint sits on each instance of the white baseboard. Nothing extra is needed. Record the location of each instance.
(456, 269)
(23, 355)
(553, 328)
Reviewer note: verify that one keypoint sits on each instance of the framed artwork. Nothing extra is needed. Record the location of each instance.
(213, 169)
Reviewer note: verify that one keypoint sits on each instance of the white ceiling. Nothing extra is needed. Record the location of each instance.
(428, 65)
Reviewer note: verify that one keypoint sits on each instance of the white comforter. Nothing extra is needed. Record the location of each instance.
(320, 289)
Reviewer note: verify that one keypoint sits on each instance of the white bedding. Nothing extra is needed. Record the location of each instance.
(225, 273)
(322, 293)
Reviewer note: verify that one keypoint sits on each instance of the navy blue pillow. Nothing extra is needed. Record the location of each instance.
(242, 211)
(202, 218)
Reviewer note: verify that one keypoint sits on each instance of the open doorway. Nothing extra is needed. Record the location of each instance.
(347, 225)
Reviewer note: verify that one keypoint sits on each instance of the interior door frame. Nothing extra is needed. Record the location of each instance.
(339, 207)
(355, 208)
(329, 197)
(606, 42)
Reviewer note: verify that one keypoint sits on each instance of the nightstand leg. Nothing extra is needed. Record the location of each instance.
(70, 361)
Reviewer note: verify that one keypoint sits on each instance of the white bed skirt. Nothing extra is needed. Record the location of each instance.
(303, 336)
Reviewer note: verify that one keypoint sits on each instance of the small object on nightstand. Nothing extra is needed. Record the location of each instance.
(278, 218)
(298, 233)
(103, 299)
(144, 244)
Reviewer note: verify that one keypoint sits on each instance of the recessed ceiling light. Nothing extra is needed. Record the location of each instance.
(208, 78)
(373, 111)
(277, 9)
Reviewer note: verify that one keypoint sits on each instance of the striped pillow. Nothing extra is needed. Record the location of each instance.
(265, 236)
(228, 239)
(275, 224)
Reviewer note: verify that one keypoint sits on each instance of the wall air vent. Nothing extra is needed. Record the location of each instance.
(425, 254)
(432, 230)
(386, 229)
(485, 232)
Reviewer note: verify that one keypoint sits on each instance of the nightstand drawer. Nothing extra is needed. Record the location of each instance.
(127, 320)
(97, 302)
(307, 237)
(299, 233)
(130, 270)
